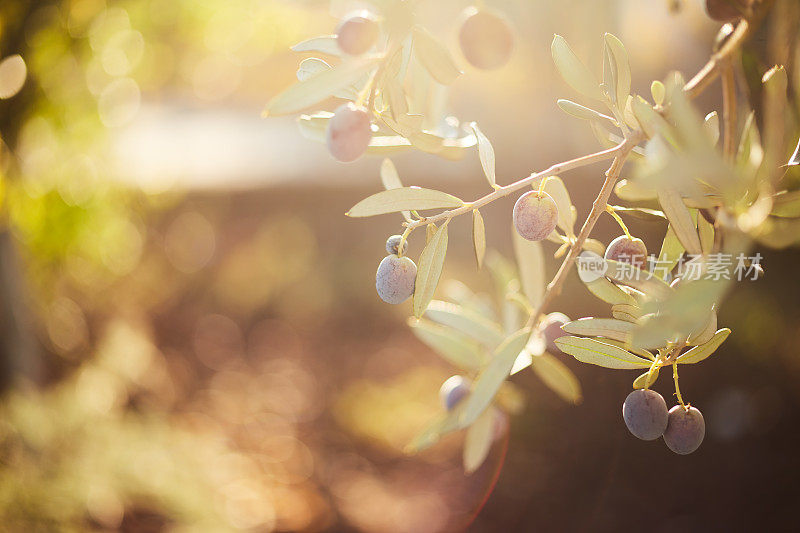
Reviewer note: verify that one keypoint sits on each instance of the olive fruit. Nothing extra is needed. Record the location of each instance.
(395, 279)
(551, 329)
(453, 390)
(535, 215)
(486, 39)
(357, 33)
(627, 250)
(349, 132)
(724, 10)
(392, 244)
(645, 414)
(685, 429)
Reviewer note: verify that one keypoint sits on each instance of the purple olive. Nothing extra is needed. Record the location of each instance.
(535, 215)
(349, 132)
(645, 414)
(685, 429)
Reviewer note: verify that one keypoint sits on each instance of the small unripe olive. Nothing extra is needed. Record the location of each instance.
(486, 39)
(535, 215)
(453, 390)
(392, 244)
(645, 414)
(724, 10)
(357, 33)
(685, 430)
(349, 132)
(627, 250)
(551, 329)
(395, 279)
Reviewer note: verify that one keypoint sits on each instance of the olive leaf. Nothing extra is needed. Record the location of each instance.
(601, 327)
(711, 123)
(486, 154)
(318, 87)
(795, 159)
(429, 271)
(626, 312)
(454, 347)
(671, 252)
(478, 441)
(658, 92)
(558, 377)
(530, 261)
(608, 292)
(706, 231)
(642, 213)
(578, 111)
(442, 425)
(680, 219)
(641, 381)
(434, 57)
(699, 353)
(466, 322)
(403, 199)
(644, 354)
(786, 204)
(599, 353)
(646, 282)
(489, 381)
(573, 70)
(326, 44)
(619, 70)
(478, 237)
(633, 191)
(391, 180)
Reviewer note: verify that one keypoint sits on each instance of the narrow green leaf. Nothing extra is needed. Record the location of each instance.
(608, 292)
(601, 354)
(644, 354)
(558, 377)
(489, 381)
(786, 204)
(711, 123)
(658, 92)
(680, 219)
(391, 180)
(326, 44)
(434, 57)
(641, 381)
(627, 312)
(403, 199)
(530, 262)
(671, 252)
(478, 237)
(646, 282)
(486, 154)
(454, 347)
(443, 424)
(633, 191)
(601, 327)
(318, 87)
(429, 271)
(706, 231)
(699, 353)
(573, 70)
(478, 441)
(467, 322)
(622, 69)
(578, 111)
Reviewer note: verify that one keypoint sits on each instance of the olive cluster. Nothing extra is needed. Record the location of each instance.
(682, 427)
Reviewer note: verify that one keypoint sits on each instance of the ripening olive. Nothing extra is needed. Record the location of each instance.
(645, 414)
(349, 132)
(357, 33)
(453, 390)
(535, 215)
(551, 329)
(395, 279)
(627, 250)
(485, 38)
(392, 244)
(685, 429)
(724, 10)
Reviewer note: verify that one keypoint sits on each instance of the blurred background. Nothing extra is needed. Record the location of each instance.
(190, 338)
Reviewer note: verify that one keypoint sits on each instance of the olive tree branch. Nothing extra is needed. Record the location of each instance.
(711, 70)
(621, 153)
(728, 110)
(503, 191)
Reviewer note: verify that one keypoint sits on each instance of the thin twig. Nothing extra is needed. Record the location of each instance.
(598, 207)
(728, 110)
(710, 71)
(500, 192)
